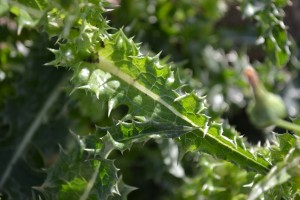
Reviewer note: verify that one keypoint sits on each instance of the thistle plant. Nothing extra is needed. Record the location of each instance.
(115, 107)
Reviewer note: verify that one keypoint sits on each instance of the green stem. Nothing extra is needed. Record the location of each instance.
(91, 183)
(32, 130)
(288, 125)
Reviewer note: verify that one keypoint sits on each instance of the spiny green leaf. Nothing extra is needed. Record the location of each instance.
(160, 104)
(24, 19)
(278, 181)
(283, 179)
(86, 174)
(286, 142)
(215, 180)
(122, 190)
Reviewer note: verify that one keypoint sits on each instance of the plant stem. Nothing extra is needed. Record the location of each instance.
(288, 125)
(91, 183)
(32, 130)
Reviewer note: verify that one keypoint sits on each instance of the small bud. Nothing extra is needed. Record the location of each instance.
(266, 108)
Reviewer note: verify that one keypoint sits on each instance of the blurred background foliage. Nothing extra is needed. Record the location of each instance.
(212, 40)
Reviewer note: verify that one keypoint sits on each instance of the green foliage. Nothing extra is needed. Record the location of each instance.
(122, 95)
(272, 30)
(283, 179)
(208, 185)
(90, 176)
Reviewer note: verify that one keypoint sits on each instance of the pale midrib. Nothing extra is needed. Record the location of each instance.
(109, 67)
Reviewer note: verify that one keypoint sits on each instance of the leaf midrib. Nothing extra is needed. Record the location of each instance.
(110, 67)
